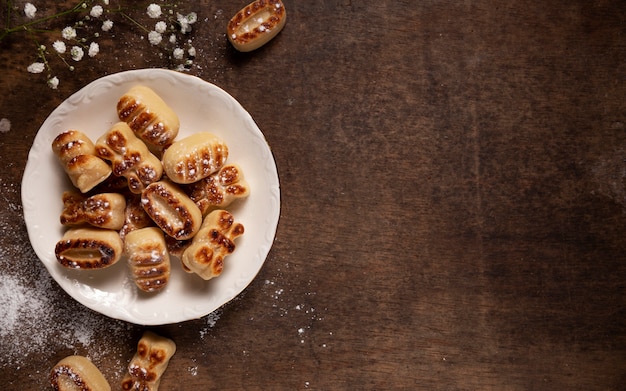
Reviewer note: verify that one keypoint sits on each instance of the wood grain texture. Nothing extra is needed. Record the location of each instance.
(453, 200)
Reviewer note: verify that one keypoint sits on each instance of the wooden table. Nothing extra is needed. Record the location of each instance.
(453, 200)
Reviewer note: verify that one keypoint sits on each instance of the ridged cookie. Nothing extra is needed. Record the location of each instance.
(171, 209)
(194, 157)
(77, 154)
(89, 248)
(147, 366)
(148, 116)
(129, 157)
(148, 259)
(218, 190)
(104, 210)
(77, 373)
(215, 240)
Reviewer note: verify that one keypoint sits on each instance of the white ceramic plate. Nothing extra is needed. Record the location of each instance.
(201, 106)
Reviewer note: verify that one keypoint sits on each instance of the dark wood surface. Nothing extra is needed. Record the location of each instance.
(453, 201)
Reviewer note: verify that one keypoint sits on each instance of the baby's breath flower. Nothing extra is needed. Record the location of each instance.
(96, 11)
(36, 67)
(185, 27)
(192, 18)
(178, 53)
(160, 27)
(77, 53)
(154, 37)
(30, 10)
(59, 46)
(107, 25)
(154, 11)
(94, 49)
(68, 33)
(71, 45)
(53, 83)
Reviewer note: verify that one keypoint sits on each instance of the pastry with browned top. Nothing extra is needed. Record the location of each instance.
(194, 157)
(148, 116)
(171, 209)
(77, 154)
(148, 258)
(104, 210)
(215, 240)
(129, 157)
(89, 248)
(147, 366)
(256, 24)
(77, 373)
(218, 190)
(135, 217)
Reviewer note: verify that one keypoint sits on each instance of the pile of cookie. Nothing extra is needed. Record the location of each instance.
(141, 192)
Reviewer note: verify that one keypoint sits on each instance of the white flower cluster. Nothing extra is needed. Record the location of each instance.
(30, 10)
(161, 28)
(165, 32)
(69, 36)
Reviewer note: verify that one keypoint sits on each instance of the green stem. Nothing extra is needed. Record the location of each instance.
(8, 14)
(134, 21)
(77, 8)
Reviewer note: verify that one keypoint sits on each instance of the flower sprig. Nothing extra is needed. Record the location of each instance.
(93, 21)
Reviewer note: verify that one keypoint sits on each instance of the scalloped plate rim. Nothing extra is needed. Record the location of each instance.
(256, 159)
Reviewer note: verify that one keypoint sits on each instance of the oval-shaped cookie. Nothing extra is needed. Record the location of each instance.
(256, 24)
(194, 157)
(104, 210)
(89, 248)
(171, 209)
(77, 373)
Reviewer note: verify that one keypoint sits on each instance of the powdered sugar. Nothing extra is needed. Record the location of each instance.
(303, 313)
(211, 321)
(15, 304)
(37, 319)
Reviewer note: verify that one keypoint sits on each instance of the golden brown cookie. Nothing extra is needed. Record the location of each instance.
(220, 189)
(149, 363)
(194, 157)
(77, 373)
(148, 258)
(89, 248)
(129, 157)
(148, 116)
(77, 154)
(215, 240)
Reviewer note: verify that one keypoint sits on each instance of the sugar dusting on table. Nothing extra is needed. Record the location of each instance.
(39, 323)
(297, 306)
(37, 319)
